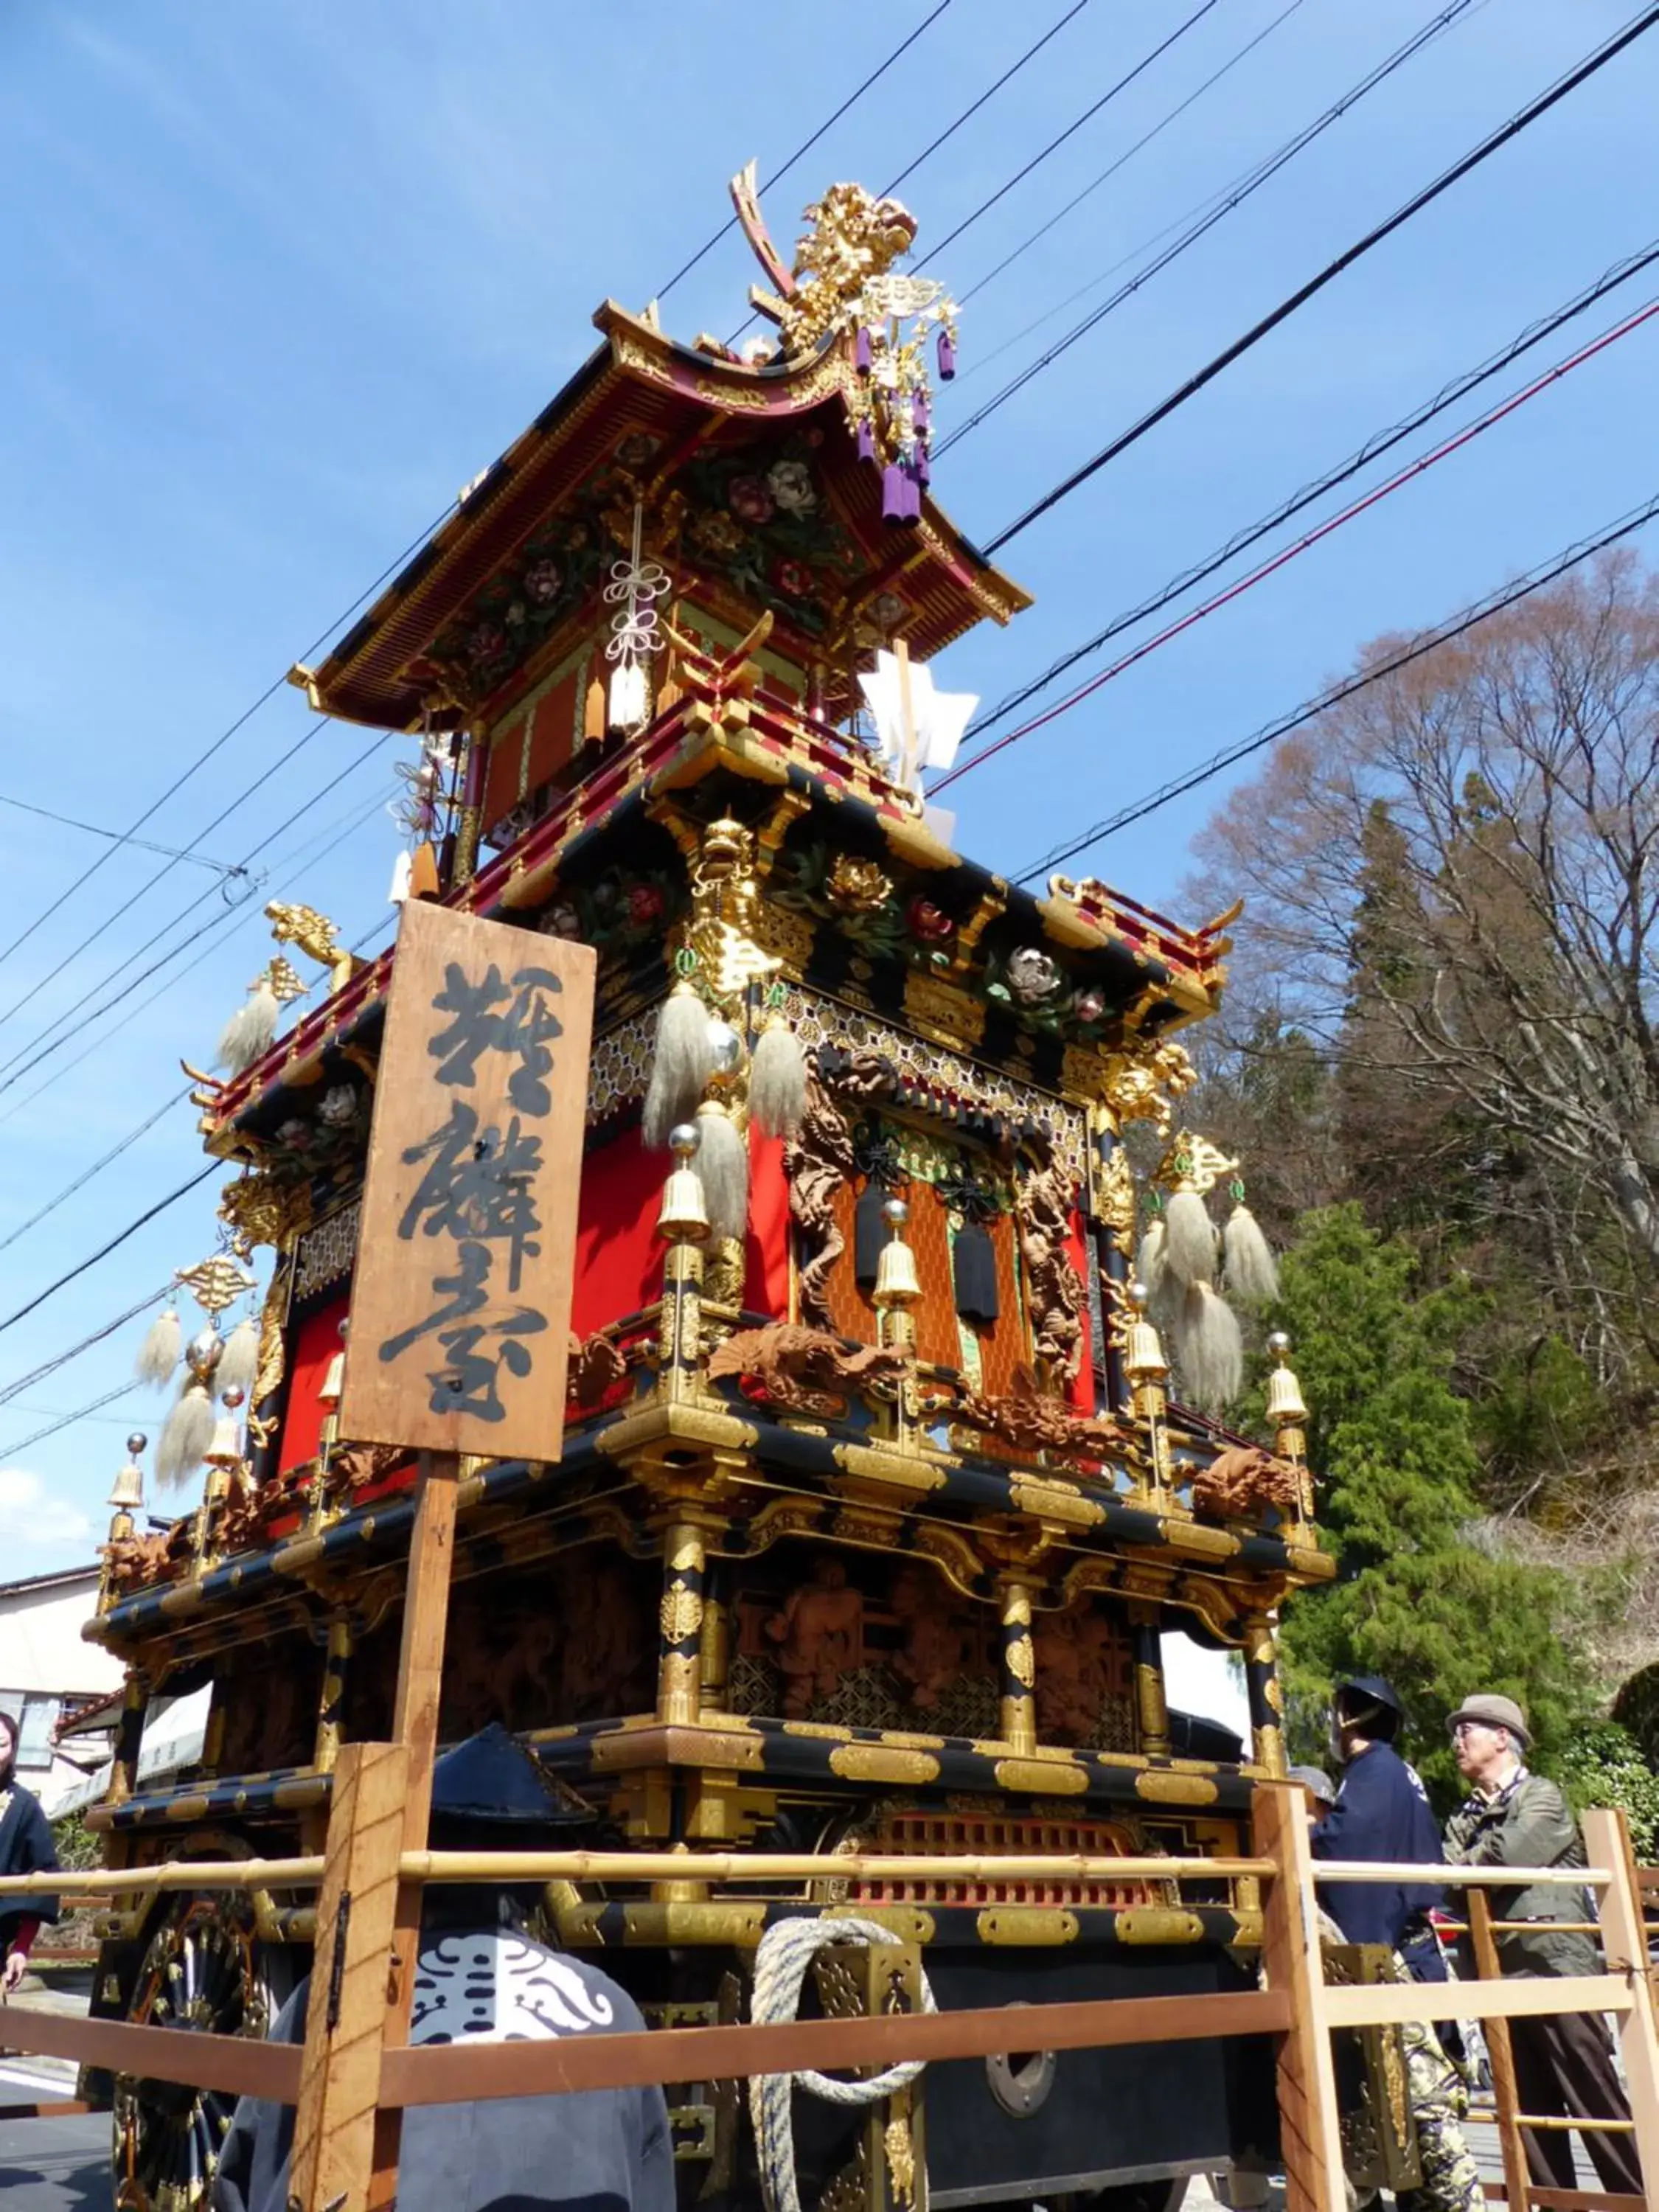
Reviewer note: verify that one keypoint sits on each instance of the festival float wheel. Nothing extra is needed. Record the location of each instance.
(205, 1971)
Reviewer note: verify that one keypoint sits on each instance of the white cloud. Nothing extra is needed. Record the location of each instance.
(28, 1516)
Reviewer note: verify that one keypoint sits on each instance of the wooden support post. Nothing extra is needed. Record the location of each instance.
(346, 2017)
(415, 1726)
(1625, 1940)
(1310, 2135)
(1501, 2052)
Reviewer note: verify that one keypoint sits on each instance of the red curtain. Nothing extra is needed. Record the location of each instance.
(618, 1252)
(309, 1353)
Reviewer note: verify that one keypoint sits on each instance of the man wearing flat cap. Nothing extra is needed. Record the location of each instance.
(1562, 2060)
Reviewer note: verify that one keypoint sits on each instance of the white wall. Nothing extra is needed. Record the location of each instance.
(1208, 1683)
(42, 1656)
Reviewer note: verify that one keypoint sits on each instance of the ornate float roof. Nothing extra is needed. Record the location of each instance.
(688, 431)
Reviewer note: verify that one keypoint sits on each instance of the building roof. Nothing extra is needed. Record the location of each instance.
(648, 409)
(64, 1576)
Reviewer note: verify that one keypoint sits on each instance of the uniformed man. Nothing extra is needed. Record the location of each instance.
(1382, 1813)
(1562, 2060)
(481, 1977)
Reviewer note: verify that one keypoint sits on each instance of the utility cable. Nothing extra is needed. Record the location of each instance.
(1522, 120)
(86, 1176)
(22, 1312)
(1510, 595)
(952, 128)
(1380, 442)
(302, 860)
(805, 146)
(228, 733)
(1129, 152)
(307, 737)
(1199, 220)
(21, 1382)
(1271, 566)
(117, 836)
(9, 1453)
(1054, 145)
(48, 1044)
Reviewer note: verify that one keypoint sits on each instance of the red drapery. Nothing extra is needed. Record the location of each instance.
(318, 1341)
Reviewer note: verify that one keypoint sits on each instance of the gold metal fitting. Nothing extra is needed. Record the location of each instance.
(683, 1218)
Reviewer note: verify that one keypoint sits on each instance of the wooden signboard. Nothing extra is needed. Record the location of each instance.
(460, 1309)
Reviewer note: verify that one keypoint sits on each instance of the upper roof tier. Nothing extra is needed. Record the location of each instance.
(792, 482)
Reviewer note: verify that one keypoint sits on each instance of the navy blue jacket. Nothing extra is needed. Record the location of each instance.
(1380, 1812)
(594, 2150)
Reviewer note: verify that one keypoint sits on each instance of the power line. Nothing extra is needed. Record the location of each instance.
(952, 128)
(1071, 128)
(1128, 155)
(21, 1382)
(228, 733)
(9, 1452)
(1200, 221)
(1510, 595)
(1379, 443)
(50, 1044)
(22, 1312)
(117, 836)
(989, 93)
(302, 858)
(805, 146)
(1289, 553)
(1488, 146)
(87, 1174)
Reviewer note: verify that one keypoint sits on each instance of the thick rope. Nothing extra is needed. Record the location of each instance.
(786, 1951)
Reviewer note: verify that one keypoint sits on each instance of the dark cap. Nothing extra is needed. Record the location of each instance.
(1371, 1690)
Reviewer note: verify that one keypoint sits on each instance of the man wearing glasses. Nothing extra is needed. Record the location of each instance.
(1564, 2065)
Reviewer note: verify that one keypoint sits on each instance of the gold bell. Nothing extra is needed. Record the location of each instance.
(897, 1285)
(328, 1397)
(1285, 1408)
(1142, 1350)
(683, 1218)
(128, 1494)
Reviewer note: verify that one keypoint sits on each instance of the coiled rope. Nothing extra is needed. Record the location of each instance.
(787, 1950)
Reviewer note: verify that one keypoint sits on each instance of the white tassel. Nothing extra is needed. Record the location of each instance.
(681, 1065)
(1191, 1243)
(777, 1081)
(1252, 1272)
(1152, 1260)
(239, 1363)
(1209, 1348)
(186, 1437)
(723, 1165)
(251, 1031)
(158, 1355)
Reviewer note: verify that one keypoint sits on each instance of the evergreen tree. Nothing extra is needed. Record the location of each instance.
(1391, 1441)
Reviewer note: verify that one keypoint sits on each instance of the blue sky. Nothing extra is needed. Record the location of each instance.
(282, 279)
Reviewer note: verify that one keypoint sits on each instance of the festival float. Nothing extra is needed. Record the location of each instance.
(901, 1286)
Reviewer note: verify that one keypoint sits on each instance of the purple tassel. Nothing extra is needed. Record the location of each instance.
(924, 470)
(947, 356)
(922, 418)
(900, 495)
(861, 351)
(867, 441)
